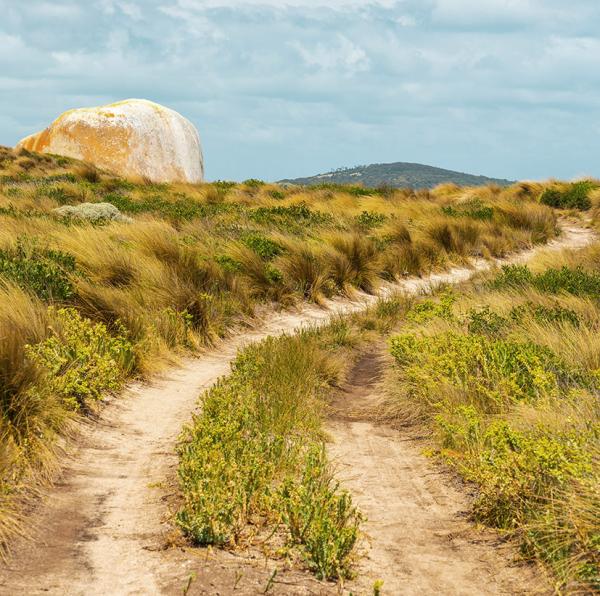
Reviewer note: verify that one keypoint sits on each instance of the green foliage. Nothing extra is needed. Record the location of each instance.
(43, 271)
(254, 182)
(258, 427)
(520, 471)
(486, 322)
(511, 416)
(321, 517)
(573, 281)
(370, 219)
(574, 196)
(544, 314)
(289, 217)
(474, 208)
(426, 310)
(264, 247)
(80, 359)
(578, 281)
(183, 208)
(228, 263)
(492, 372)
(224, 185)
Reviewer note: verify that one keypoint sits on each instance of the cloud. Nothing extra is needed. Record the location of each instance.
(290, 87)
(341, 54)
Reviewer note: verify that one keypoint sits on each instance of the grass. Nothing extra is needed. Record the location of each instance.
(187, 264)
(255, 454)
(506, 375)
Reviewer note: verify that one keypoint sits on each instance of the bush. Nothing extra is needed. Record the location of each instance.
(474, 208)
(574, 196)
(80, 359)
(512, 276)
(44, 272)
(321, 517)
(370, 219)
(492, 372)
(93, 212)
(264, 247)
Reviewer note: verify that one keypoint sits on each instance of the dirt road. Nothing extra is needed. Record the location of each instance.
(102, 528)
(418, 537)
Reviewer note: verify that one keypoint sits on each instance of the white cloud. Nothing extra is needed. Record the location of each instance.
(343, 55)
(448, 82)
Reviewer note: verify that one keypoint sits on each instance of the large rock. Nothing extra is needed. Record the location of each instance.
(134, 137)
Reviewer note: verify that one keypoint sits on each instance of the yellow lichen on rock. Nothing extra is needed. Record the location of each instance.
(132, 138)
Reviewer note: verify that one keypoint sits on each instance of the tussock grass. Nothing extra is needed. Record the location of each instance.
(506, 374)
(188, 262)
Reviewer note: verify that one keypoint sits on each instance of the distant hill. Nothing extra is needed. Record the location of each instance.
(398, 174)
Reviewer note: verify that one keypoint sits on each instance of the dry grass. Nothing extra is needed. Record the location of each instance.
(183, 272)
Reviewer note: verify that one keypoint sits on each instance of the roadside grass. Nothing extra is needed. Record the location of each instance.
(506, 375)
(253, 467)
(254, 456)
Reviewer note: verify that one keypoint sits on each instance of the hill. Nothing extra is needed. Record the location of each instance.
(398, 174)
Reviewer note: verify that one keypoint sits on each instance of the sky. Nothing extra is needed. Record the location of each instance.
(288, 88)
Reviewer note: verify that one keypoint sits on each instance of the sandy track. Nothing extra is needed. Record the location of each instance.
(419, 539)
(100, 529)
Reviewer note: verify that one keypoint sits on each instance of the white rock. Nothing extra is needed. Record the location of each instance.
(131, 138)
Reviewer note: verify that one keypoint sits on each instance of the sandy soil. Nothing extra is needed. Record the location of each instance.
(105, 526)
(418, 536)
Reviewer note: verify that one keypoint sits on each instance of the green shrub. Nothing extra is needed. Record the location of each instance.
(291, 216)
(544, 314)
(573, 281)
(321, 517)
(575, 196)
(254, 182)
(370, 219)
(426, 310)
(43, 271)
(474, 208)
(512, 276)
(492, 372)
(264, 247)
(80, 359)
(486, 322)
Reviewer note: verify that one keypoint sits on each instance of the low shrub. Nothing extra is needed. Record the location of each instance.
(474, 208)
(574, 196)
(80, 359)
(264, 247)
(93, 212)
(370, 219)
(255, 452)
(321, 518)
(43, 271)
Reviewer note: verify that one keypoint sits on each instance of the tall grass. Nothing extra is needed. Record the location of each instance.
(189, 263)
(507, 377)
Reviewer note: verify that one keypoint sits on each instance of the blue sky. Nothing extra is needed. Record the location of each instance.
(285, 88)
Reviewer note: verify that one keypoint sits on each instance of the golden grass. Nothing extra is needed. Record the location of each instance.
(182, 274)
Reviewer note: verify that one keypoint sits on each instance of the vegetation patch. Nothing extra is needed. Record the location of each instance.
(513, 400)
(576, 281)
(255, 454)
(43, 271)
(571, 196)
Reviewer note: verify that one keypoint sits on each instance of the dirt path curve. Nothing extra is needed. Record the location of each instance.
(419, 539)
(100, 529)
